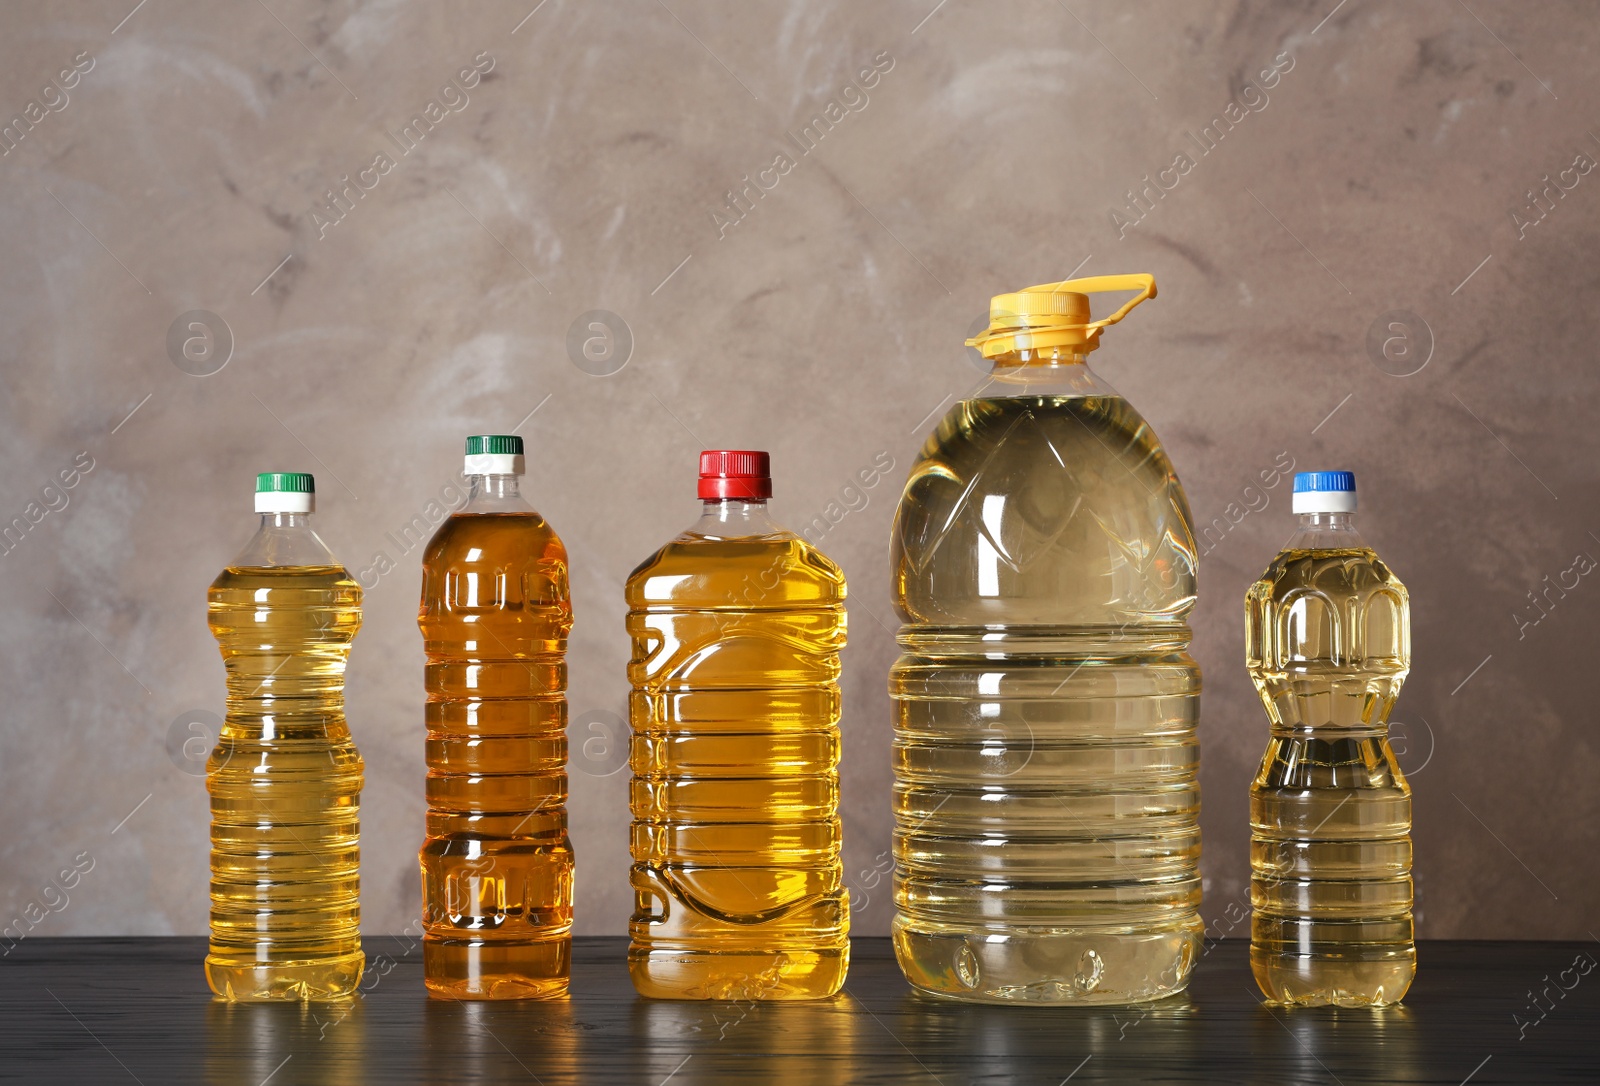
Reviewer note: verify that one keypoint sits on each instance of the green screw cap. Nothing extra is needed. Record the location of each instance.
(494, 444)
(285, 482)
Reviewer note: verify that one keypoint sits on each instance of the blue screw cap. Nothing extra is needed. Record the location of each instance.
(1322, 482)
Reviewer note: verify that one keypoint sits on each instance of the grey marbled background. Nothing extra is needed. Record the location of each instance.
(1382, 169)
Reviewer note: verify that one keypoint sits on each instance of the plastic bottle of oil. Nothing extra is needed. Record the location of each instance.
(1328, 643)
(736, 626)
(497, 863)
(1046, 804)
(285, 777)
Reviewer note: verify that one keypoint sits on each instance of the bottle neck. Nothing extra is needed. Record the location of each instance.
(495, 494)
(1326, 532)
(1059, 371)
(731, 518)
(285, 539)
(1055, 356)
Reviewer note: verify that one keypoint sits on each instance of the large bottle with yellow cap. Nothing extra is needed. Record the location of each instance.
(1046, 805)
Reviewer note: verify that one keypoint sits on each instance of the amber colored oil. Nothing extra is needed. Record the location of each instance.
(737, 877)
(1328, 646)
(497, 862)
(285, 784)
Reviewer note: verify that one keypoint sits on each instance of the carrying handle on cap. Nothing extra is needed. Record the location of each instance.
(1097, 284)
(1055, 315)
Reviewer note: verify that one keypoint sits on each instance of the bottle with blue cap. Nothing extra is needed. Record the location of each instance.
(1328, 644)
(285, 777)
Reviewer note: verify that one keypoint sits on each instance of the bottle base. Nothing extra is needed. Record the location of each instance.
(240, 979)
(1350, 980)
(1052, 966)
(739, 975)
(470, 969)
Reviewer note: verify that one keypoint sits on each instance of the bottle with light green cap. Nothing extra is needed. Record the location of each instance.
(285, 777)
(285, 492)
(286, 481)
(494, 454)
(497, 861)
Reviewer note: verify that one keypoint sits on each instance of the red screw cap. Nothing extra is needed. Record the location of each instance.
(735, 473)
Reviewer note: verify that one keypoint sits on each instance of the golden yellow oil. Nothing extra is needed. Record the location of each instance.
(1046, 803)
(285, 784)
(1328, 646)
(737, 877)
(497, 863)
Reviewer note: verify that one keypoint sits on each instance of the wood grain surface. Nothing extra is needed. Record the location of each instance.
(137, 1010)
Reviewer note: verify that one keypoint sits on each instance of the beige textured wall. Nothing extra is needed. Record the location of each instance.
(1377, 170)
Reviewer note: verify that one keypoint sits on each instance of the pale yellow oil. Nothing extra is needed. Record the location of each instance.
(739, 890)
(1328, 646)
(497, 863)
(1046, 803)
(285, 784)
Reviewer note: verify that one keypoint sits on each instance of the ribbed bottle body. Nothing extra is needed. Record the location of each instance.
(1328, 646)
(1046, 797)
(285, 784)
(497, 864)
(739, 889)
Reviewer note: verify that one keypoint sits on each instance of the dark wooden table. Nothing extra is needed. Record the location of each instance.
(137, 1010)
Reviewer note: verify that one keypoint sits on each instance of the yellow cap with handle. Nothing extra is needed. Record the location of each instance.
(1055, 315)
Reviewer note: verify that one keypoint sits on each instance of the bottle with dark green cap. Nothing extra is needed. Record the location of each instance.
(285, 777)
(497, 861)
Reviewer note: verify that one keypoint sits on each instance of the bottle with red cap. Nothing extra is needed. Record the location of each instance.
(736, 627)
